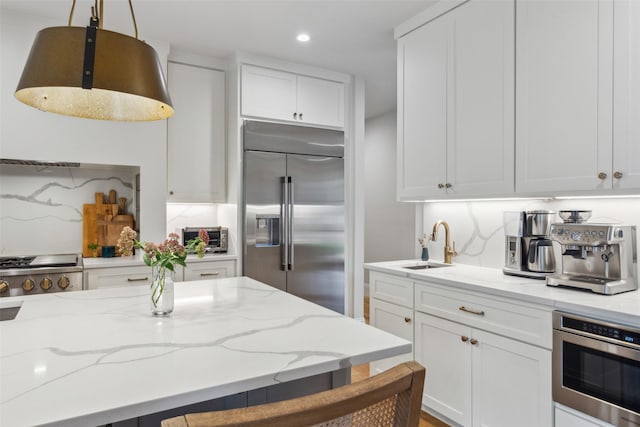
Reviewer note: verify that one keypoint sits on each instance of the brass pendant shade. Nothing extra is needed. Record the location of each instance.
(100, 75)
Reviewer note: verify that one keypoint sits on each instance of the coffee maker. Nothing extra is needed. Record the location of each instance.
(597, 257)
(528, 249)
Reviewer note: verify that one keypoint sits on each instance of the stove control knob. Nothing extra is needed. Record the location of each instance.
(28, 285)
(63, 282)
(46, 284)
(4, 286)
(576, 236)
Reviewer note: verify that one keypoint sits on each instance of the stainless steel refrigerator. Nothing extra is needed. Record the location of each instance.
(294, 210)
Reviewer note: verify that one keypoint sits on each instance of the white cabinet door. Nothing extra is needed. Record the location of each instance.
(480, 142)
(563, 95)
(320, 102)
(626, 95)
(268, 93)
(196, 135)
(511, 382)
(117, 277)
(422, 110)
(209, 270)
(456, 104)
(442, 347)
(396, 320)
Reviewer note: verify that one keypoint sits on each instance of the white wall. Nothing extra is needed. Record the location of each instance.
(26, 133)
(390, 229)
(477, 227)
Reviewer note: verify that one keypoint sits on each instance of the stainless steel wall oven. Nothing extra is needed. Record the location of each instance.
(596, 368)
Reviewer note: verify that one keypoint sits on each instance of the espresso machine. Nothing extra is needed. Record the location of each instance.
(528, 249)
(598, 257)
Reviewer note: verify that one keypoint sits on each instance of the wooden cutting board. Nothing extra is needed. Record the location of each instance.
(101, 224)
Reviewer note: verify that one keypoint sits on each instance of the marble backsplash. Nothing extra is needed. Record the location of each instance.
(41, 206)
(477, 228)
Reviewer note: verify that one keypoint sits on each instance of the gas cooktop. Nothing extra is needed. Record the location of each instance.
(39, 261)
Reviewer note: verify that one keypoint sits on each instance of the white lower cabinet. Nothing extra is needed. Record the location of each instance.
(391, 309)
(479, 370)
(113, 277)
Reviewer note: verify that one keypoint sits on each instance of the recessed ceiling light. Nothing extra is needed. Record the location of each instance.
(302, 37)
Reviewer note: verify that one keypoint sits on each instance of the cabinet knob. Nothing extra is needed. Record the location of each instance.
(295, 115)
(602, 176)
(440, 185)
(300, 116)
(171, 193)
(473, 341)
(617, 175)
(407, 319)
(464, 339)
(447, 185)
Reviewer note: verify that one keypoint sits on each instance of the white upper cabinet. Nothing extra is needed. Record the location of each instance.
(626, 95)
(196, 134)
(456, 104)
(284, 96)
(564, 95)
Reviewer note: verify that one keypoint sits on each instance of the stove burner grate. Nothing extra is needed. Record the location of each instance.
(15, 262)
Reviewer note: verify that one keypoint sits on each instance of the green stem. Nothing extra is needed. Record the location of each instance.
(157, 286)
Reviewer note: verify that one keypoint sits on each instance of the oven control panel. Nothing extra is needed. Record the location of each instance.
(606, 330)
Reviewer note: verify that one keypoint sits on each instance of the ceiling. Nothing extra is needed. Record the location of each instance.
(350, 36)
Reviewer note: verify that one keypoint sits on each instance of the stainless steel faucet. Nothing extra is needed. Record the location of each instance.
(449, 251)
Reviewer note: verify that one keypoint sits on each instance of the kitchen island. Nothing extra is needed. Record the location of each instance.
(95, 357)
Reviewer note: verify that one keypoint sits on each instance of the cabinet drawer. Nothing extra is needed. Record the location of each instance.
(515, 320)
(118, 277)
(209, 270)
(396, 320)
(391, 288)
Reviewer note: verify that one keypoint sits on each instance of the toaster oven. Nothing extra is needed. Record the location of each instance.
(218, 237)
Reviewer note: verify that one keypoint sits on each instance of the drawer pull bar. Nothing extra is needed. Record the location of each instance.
(209, 274)
(140, 279)
(468, 310)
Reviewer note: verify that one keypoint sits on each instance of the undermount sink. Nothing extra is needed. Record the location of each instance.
(425, 266)
(9, 312)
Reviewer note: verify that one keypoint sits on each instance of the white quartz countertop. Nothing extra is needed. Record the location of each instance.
(136, 260)
(93, 357)
(623, 307)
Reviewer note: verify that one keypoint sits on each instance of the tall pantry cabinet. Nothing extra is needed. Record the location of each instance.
(455, 103)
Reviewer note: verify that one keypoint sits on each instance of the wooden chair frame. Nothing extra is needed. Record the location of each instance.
(406, 380)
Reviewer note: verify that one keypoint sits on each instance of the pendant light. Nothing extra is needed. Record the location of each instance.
(94, 73)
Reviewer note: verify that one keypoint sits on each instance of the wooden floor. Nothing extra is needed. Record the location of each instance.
(361, 372)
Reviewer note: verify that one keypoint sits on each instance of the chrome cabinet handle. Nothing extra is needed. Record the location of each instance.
(617, 175)
(602, 176)
(407, 319)
(140, 279)
(464, 339)
(468, 310)
(209, 274)
(473, 341)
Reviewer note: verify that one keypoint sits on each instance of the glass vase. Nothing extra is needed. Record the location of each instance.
(161, 291)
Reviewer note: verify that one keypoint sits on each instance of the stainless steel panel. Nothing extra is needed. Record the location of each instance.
(317, 270)
(263, 199)
(274, 137)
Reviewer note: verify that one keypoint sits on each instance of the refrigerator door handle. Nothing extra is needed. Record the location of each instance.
(290, 224)
(284, 229)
